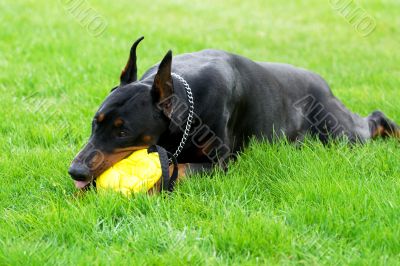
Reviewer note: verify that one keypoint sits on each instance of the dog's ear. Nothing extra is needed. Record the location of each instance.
(129, 74)
(163, 87)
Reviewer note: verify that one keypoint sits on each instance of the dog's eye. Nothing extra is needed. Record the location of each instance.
(122, 134)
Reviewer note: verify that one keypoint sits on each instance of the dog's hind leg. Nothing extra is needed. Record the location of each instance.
(381, 126)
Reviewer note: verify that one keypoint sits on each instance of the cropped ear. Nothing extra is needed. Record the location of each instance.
(129, 74)
(163, 87)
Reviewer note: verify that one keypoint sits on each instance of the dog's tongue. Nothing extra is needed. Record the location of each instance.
(81, 184)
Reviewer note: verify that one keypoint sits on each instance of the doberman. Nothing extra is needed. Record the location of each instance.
(234, 99)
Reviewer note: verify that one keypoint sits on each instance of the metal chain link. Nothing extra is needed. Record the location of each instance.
(189, 118)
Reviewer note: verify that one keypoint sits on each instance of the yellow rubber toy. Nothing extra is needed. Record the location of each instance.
(137, 173)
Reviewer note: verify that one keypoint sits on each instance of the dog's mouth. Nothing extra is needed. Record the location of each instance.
(110, 160)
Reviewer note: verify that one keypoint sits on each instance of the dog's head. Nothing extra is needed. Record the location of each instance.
(132, 117)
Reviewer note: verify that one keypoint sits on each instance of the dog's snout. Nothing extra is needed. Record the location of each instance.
(79, 172)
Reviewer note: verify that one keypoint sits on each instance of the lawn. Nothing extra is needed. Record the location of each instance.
(278, 204)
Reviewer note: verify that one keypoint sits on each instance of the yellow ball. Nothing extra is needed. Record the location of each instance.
(137, 173)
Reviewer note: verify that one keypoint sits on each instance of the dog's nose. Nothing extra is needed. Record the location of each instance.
(79, 172)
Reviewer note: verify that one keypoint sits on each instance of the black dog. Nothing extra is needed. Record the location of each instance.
(234, 99)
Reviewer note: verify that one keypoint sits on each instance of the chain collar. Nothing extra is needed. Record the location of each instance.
(189, 117)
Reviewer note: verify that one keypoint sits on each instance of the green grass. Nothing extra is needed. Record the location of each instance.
(278, 204)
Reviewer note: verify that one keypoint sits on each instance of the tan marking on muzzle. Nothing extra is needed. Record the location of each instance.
(130, 149)
(109, 159)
